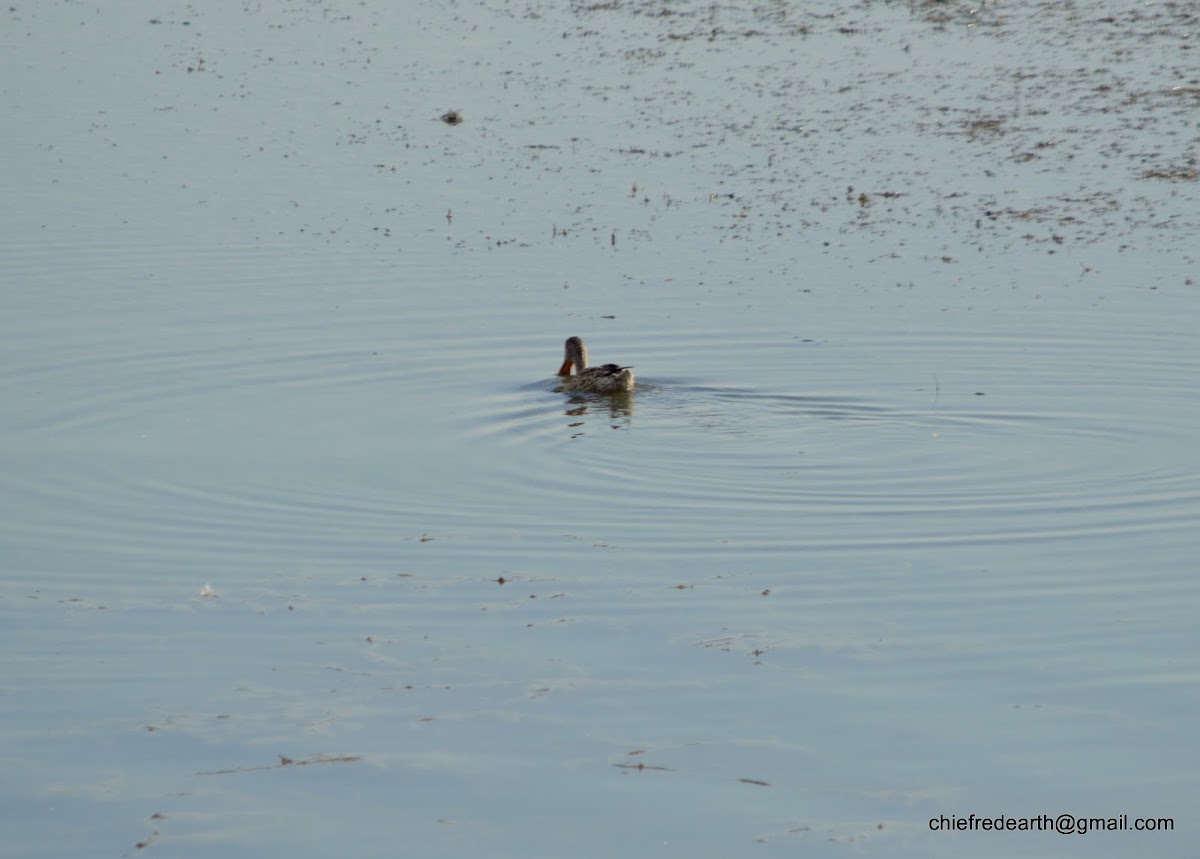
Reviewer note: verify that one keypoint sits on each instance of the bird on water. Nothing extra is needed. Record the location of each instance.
(602, 379)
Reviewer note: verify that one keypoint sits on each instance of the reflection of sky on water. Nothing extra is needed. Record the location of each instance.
(899, 520)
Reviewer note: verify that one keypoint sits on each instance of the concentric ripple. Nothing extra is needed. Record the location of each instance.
(1004, 456)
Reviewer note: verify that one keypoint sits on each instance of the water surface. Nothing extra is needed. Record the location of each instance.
(302, 551)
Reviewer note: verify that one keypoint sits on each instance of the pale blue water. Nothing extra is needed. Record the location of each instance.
(899, 521)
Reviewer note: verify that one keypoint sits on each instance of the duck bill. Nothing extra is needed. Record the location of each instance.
(565, 369)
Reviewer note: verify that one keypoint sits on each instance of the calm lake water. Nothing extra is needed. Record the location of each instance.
(302, 554)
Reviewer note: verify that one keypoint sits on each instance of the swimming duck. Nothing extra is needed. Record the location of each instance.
(605, 379)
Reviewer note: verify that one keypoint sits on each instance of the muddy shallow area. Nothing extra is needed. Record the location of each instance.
(1049, 124)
